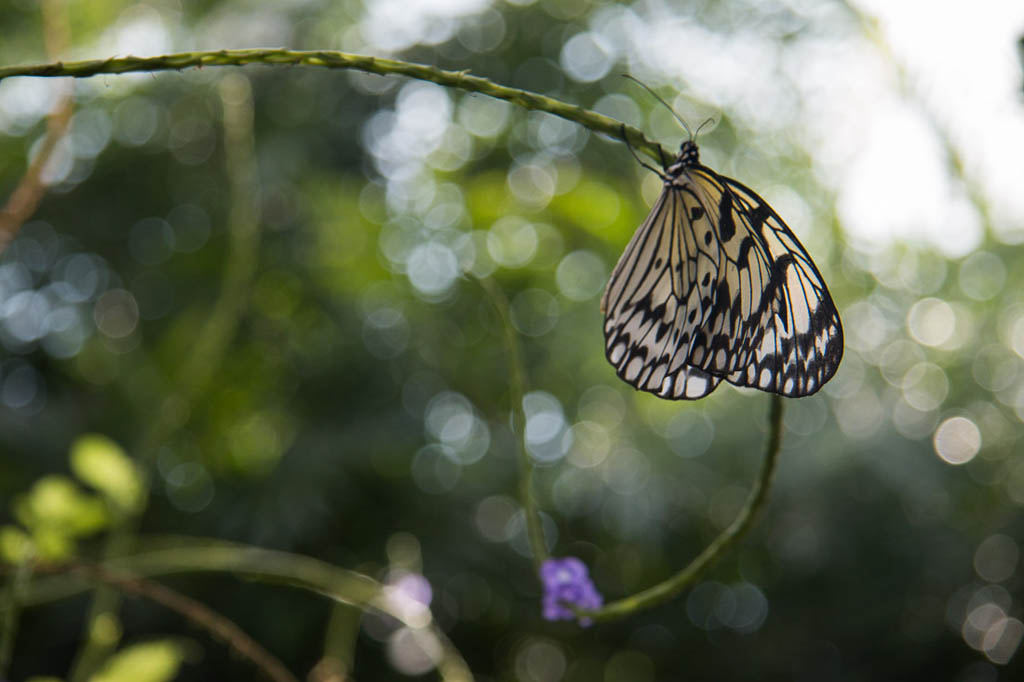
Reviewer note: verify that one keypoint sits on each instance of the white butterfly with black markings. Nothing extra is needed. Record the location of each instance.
(713, 286)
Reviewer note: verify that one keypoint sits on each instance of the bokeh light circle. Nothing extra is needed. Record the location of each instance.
(957, 440)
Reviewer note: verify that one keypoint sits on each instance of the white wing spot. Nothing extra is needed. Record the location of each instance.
(696, 386)
(618, 350)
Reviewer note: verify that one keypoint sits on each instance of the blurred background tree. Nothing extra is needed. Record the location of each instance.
(284, 333)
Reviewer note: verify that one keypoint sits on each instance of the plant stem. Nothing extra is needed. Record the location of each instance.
(23, 201)
(670, 588)
(333, 59)
(200, 555)
(196, 612)
(517, 388)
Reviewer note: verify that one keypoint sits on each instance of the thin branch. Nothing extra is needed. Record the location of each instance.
(339, 645)
(332, 59)
(31, 189)
(198, 613)
(517, 388)
(201, 555)
(243, 233)
(670, 588)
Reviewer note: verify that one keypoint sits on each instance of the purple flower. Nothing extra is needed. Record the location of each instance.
(566, 582)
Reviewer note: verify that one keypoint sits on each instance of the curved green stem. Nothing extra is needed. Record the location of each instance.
(198, 613)
(517, 388)
(670, 588)
(333, 59)
(198, 555)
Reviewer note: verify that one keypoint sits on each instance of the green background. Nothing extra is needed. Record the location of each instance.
(360, 410)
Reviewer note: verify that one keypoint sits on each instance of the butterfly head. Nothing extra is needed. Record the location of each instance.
(689, 155)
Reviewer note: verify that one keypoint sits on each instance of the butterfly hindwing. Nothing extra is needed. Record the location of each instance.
(798, 341)
(715, 286)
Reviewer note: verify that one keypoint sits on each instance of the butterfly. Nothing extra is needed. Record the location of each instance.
(714, 285)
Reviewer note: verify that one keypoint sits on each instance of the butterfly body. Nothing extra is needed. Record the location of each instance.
(713, 286)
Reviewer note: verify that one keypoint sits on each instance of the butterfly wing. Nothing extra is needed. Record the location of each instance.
(715, 286)
(793, 342)
(655, 301)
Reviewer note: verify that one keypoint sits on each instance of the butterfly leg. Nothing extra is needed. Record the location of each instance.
(632, 151)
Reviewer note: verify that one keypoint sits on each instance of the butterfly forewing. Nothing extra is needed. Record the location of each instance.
(654, 305)
(714, 286)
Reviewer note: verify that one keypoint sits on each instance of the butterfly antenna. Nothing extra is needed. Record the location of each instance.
(707, 121)
(658, 97)
(641, 161)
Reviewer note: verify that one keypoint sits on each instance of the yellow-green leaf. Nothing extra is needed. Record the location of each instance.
(103, 464)
(52, 543)
(156, 661)
(15, 545)
(57, 503)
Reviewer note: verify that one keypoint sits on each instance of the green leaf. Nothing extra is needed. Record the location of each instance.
(53, 544)
(156, 661)
(15, 545)
(55, 511)
(56, 502)
(103, 464)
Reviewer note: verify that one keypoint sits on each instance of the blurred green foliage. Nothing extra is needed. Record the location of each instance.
(55, 511)
(102, 463)
(360, 414)
(154, 661)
